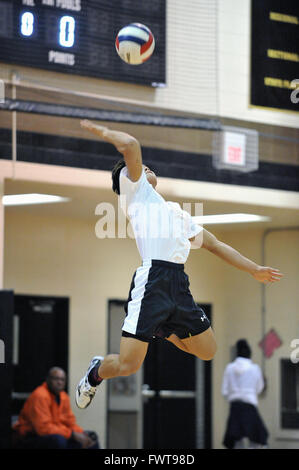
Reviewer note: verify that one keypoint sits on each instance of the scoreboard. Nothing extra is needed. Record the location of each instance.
(275, 54)
(78, 37)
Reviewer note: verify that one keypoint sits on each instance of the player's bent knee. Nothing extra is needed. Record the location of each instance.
(207, 357)
(129, 368)
(209, 354)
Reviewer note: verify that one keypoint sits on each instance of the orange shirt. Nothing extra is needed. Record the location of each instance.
(42, 415)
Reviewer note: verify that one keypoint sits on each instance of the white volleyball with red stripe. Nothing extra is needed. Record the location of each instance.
(135, 43)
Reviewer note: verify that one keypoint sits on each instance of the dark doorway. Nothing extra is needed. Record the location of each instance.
(170, 374)
(124, 403)
(177, 398)
(40, 342)
(6, 316)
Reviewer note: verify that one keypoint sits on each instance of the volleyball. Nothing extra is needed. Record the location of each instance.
(135, 43)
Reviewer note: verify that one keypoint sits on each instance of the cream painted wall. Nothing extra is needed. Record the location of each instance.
(235, 296)
(241, 310)
(64, 257)
(59, 256)
(282, 248)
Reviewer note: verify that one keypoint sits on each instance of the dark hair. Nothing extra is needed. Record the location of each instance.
(243, 349)
(115, 175)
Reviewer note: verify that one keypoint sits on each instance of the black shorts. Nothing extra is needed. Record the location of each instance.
(160, 303)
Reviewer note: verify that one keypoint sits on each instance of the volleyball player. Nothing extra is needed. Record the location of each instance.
(159, 301)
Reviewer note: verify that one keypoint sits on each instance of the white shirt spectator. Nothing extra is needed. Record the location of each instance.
(242, 380)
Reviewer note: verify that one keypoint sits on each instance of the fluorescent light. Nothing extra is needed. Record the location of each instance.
(229, 219)
(26, 199)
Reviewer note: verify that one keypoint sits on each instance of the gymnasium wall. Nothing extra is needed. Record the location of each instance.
(62, 256)
(208, 72)
(237, 313)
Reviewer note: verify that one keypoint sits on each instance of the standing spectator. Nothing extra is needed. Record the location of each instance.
(242, 383)
(46, 420)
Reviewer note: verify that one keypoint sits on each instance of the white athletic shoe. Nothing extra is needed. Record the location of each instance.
(85, 392)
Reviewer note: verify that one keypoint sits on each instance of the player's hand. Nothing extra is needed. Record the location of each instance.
(86, 124)
(265, 274)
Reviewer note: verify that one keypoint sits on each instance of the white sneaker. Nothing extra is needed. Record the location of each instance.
(85, 392)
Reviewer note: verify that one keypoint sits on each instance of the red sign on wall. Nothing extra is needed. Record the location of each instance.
(270, 342)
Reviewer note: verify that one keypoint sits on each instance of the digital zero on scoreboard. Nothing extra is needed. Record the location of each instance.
(77, 36)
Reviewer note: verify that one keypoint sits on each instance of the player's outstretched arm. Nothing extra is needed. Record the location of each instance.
(127, 145)
(263, 274)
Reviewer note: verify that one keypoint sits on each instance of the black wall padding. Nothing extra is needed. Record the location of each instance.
(98, 155)
(61, 110)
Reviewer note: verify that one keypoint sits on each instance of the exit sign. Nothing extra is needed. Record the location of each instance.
(234, 148)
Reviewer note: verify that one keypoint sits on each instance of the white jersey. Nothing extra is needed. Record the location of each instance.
(161, 229)
(242, 380)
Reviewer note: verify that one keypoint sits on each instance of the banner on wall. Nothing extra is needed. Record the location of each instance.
(275, 54)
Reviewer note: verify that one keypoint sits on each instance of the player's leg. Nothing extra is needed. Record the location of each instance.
(127, 362)
(202, 345)
(193, 329)
(174, 339)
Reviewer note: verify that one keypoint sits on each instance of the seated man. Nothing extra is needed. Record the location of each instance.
(46, 420)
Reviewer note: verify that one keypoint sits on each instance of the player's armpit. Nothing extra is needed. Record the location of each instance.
(197, 241)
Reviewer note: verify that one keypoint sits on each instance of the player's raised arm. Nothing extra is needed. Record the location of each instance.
(127, 145)
(263, 274)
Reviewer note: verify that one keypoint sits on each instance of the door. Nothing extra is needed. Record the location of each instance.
(124, 393)
(169, 398)
(6, 316)
(40, 342)
(176, 398)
